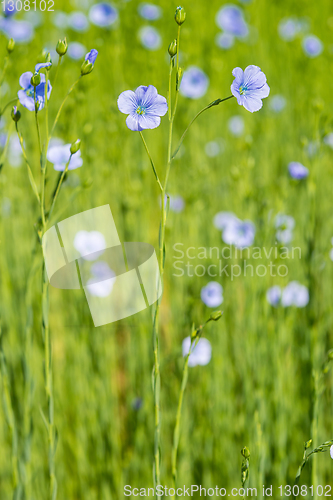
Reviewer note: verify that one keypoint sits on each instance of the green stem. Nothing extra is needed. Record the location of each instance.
(37, 123)
(12, 101)
(30, 175)
(151, 161)
(59, 186)
(57, 71)
(214, 103)
(62, 105)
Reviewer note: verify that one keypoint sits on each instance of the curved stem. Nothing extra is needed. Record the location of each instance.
(12, 101)
(30, 174)
(214, 103)
(151, 161)
(37, 124)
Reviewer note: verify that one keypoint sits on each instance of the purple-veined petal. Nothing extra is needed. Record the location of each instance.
(26, 101)
(132, 121)
(140, 93)
(158, 107)
(25, 79)
(238, 73)
(127, 102)
(149, 96)
(149, 121)
(252, 103)
(254, 77)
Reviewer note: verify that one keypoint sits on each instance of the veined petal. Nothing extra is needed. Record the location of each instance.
(252, 103)
(127, 102)
(235, 89)
(149, 121)
(253, 76)
(26, 101)
(25, 79)
(132, 121)
(149, 97)
(264, 91)
(238, 73)
(140, 93)
(158, 107)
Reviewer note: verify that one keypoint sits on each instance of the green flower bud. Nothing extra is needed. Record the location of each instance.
(173, 48)
(16, 115)
(10, 46)
(245, 452)
(35, 80)
(179, 77)
(75, 147)
(307, 444)
(48, 58)
(215, 316)
(180, 15)
(62, 47)
(86, 68)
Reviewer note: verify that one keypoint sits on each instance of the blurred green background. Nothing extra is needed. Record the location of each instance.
(259, 388)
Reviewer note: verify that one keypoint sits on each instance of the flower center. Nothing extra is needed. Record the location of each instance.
(140, 110)
(30, 91)
(242, 89)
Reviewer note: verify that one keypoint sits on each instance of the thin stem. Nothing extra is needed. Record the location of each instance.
(214, 103)
(12, 101)
(37, 124)
(169, 94)
(46, 108)
(57, 71)
(30, 175)
(5, 66)
(62, 105)
(58, 187)
(151, 161)
(178, 43)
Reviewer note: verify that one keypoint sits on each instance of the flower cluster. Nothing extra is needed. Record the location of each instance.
(235, 231)
(294, 294)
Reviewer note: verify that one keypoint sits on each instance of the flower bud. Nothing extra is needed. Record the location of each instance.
(48, 58)
(173, 48)
(307, 444)
(245, 452)
(180, 15)
(86, 68)
(16, 115)
(215, 316)
(62, 47)
(75, 147)
(10, 46)
(35, 80)
(179, 77)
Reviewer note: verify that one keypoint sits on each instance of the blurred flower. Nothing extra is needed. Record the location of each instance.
(297, 170)
(328, 140)
(60, 19)
(144, 107)
(231, 20)
(136, 404)
(331, 451)
(289, 28)
(59, 155)
(177, 203)
(14, 152)
(236, 125)
(224, 40)
(239, 233)
(284, 225)
(103, 14)
(273, 295)
(100, 289)
(8, 8)
(76, 50)
(212, 149)
(87, 243)
(212, 294)
(250, 87)
(331, 254)
(150, 38)
(312, 46)
(223, 219)
(201, 353)
(194, 83)
(277, 103)
(105, 276)
(295, 294)
(78, 21)
(20, 31)
(26, 96)
(149, 11)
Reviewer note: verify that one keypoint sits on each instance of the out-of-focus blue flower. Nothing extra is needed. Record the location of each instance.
(331, 452)
(90, 244)
(331, 254)
(231, 20)
(59, 155)
(328, 140)
(144, 107)
(8, 8)
(212, 294)
(295, 294)
(273, 295)
(40, 66)
(103, 14)
(60, 20)
(277, 103)
(297, 170)
(284, 225)
(15, 157)
(91, 56)
(194, 83)
(224, 40)
(239, 233)
(20, 31)
(76, 50)
(212, 149)
(236, 125)
(223, 219)
(201, 353)
(26, 96)
(35, 18)
(136, 404)
(289, 28)
(150, 38)
(177, 203)
(149, 11)
(78, 21)
(104, 278)
(250, 87)
(312, 46)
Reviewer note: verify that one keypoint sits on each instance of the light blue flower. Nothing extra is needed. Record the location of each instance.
(250, 87)
(26, 96)
(59, 155)
(8, 7)
(212, 294)
(76, 50)
(194, 83)
(295, 294)
(236, 125)
(277, 103)
(91, 56)
(239, 233)
(201, 354)
(284, 225)
(149, 11)
(60, 20)
(78, 22)
(150, 38)
(224, 40)
(297, 170)
(103, 14)
(144, 107)
(20, 31)
(289, 28)
(312, 46)
(273, 295)
(223, 219)
(328, 140)
(90, 244)
(231, 20)
(331, 254)
(176, 203)
(212, 149)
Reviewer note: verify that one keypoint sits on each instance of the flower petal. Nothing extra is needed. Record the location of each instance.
(132, 121)
(149, 96)
(252, 103)
(127, 102)
(26, 101)
(158, 107)
(149, 121)
(25, 79)
(238, 73)
(140, 93)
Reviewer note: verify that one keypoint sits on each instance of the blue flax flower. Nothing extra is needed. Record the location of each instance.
(91, 56)
(26, 94)
(103, 14)
(297, 170)
(249, 87)
(144, 107)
